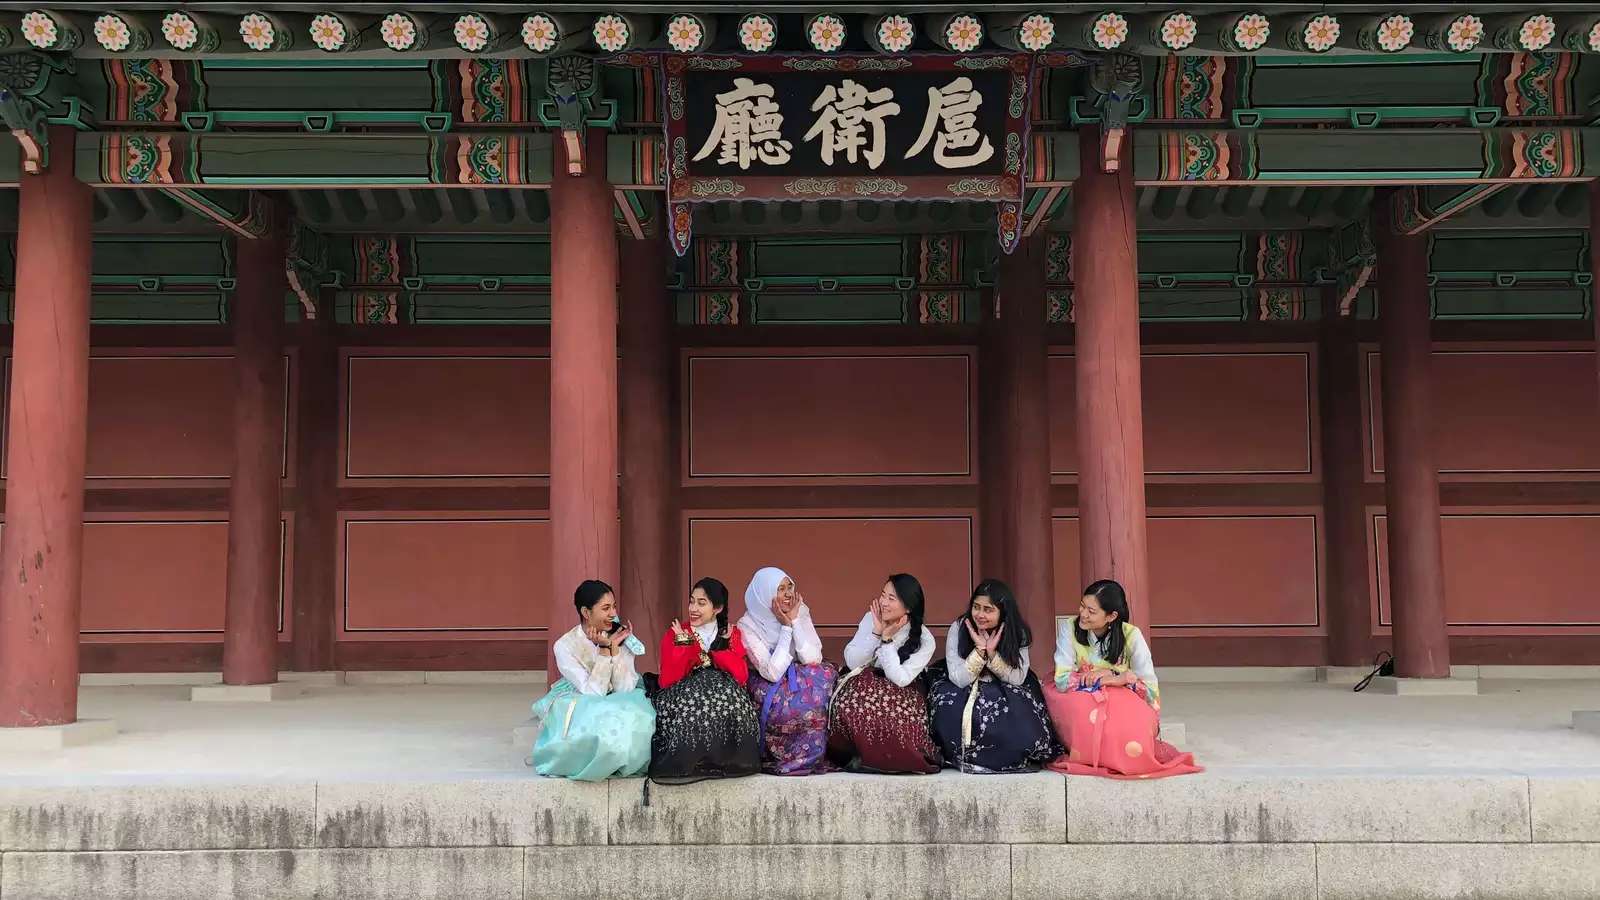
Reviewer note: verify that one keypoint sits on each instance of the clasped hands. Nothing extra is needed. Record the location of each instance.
(608, 642)
(985, 642)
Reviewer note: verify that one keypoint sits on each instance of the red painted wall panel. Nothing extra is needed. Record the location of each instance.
(1208, 413)
(447, 417)
(160, 415)
(1217, 571)
(127, 598)
(1504, 411)
(456, 576)
(839, 563)
(836, 415)
(1512, 572)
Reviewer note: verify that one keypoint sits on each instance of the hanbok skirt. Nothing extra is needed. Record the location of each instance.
(992, 726)
(592, 737)
(1111, 732)
(793, 718)
(705, 726)
(877, 726)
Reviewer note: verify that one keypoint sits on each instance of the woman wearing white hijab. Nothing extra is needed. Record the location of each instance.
(789, 681)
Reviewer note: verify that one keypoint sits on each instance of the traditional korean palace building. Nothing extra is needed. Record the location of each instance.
(331, 328)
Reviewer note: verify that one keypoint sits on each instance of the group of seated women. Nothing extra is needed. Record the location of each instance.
(758, 696)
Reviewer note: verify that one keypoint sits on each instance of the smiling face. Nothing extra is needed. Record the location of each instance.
(787, 597)
(599, 615)
(1092, 617)
(890, 604)
(985, 614)
(701, 609)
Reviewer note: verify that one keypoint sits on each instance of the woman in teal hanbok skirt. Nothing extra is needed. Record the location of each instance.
(595, 723)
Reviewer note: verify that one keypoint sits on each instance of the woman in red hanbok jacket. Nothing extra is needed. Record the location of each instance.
(705, 722)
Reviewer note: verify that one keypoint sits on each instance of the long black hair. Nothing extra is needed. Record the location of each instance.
(589, 593)
(717, 593)
(909, 590)
(1017, 634)
(1112, 599)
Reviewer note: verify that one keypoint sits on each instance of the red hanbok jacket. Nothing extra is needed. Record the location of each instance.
(678, 660)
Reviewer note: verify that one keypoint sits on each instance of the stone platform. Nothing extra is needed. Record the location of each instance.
(415, 791)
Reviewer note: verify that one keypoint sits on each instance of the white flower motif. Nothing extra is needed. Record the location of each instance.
(964, 33)
(895, 33)
(684, 34)
(327, 32)
(540, 33)
(472, 33)
(1251, 31)
(1394, 33)
(399, 31)
(257, 31)
(179, 30)
(40, 30)
(1537, 32)
(1037, 32)
(611, 33)
(1110, 30)
(1178, 31)
(757, 33)
(112, 32)
(1321, 34)
(827, 33)
(1593, 38)
(1464, 34)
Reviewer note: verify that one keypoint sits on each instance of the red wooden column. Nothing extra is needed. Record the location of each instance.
(316, 491)
(255, 501)
(1111, 507)
(583, 385)
(1349, 600)
(1594, 263)
(994, 539)
(1411, 472)
(1017, 392)
(651, 588)
(41, 550)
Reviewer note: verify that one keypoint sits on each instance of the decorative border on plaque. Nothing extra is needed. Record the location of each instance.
(1006, 190)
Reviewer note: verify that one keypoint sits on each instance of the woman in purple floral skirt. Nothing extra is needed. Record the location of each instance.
(789, 682)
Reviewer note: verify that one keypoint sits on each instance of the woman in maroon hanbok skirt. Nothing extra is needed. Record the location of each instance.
(789, 682)
(879, 718)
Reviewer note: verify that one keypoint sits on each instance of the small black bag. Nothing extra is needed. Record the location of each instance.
(1383, 664)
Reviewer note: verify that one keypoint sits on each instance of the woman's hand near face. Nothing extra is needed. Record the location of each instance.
(993, 642)
(620, 635)
(877, 617)
(979, 643)
(783, 611)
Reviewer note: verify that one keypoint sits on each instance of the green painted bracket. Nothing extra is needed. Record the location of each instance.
(603, 115)
(830, 283)
(322, 121)
(1082, 109)
(1366, 116)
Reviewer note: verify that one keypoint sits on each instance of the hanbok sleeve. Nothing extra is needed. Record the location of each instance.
(903, 673)
(1142, 664)
(583, 679)
(863, 647)
(676, 659)
(1065, 661)
(623, 676)
(1013, 675)
(807, 645)
(769, 663)
(732, 659)
(962, 672)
